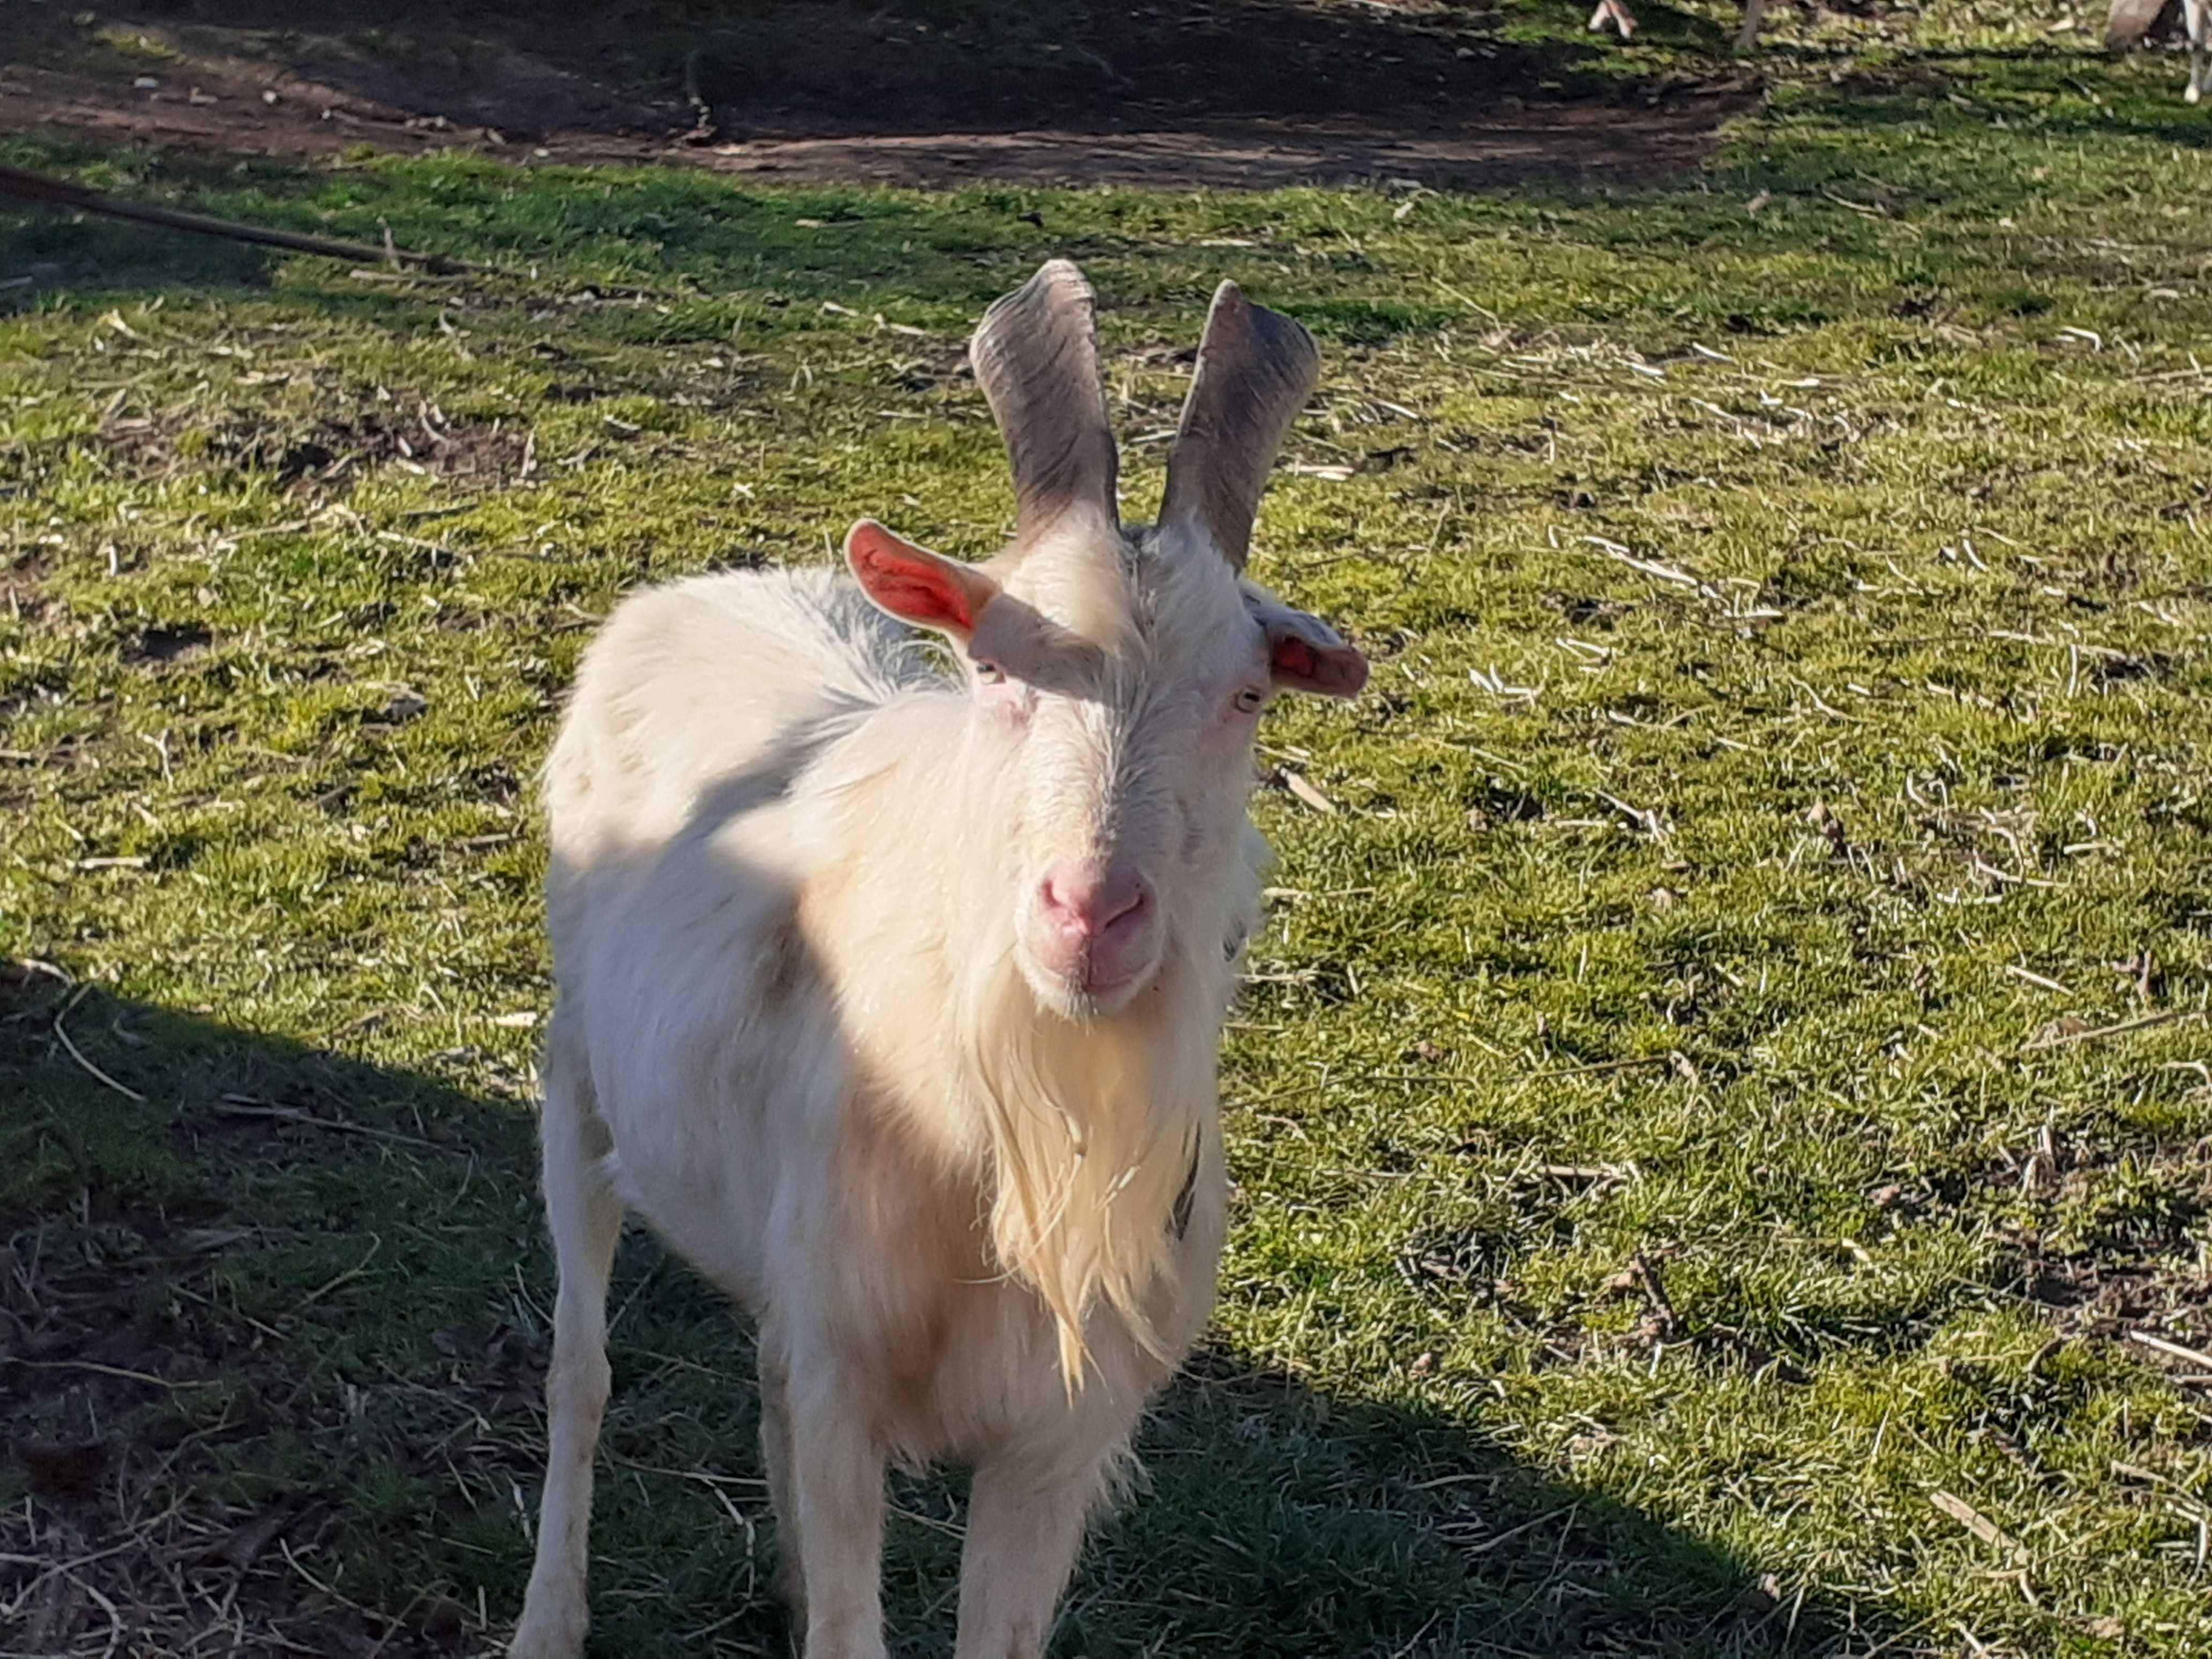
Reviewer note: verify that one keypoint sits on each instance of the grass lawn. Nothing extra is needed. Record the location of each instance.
(1721, 1120)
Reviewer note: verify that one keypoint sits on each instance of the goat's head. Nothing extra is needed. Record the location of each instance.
(1118, 673)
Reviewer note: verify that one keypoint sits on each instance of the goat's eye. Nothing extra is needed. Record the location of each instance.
(1249, 699)
(989, 672)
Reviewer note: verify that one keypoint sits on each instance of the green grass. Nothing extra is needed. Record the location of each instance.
(1774, 851)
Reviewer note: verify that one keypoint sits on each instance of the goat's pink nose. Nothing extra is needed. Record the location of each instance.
(1083, 900)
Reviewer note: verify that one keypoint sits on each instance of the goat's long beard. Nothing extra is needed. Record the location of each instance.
(1094, 1129)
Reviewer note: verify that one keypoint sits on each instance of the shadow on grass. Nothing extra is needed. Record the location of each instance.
(274, 1332)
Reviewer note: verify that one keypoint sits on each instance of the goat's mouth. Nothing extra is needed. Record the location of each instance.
(1092, 938)
(1087, 989)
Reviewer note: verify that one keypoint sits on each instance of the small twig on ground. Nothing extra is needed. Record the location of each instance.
(95, 1366)
(107, 1606)
(1973, 1520)
(242, 1106)
(375, 1243)
(27, 186)
(1647, 1274)
(1665, 573)
(1642, 1274)
(1511, 1533)
(2172, 1350)
(1602, 1174)
(1595, 1066)
(399, 1622)
(284, 1548)
(1415, 1641)
(1306, 792)
(700, 1475)
(77, 1053)
(2141, 1022)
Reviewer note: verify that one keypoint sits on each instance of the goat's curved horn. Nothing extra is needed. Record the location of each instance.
(1035, 355)
(1256, 368)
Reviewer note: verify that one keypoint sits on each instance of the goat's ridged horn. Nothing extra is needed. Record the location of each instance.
(1256, 368)
(1035, 355)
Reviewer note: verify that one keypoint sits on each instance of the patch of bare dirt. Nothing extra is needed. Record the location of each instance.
(1239, 94)
(1568, 143)
(325, 453)
(169, 642)
(2123, 1267)
(23, 577)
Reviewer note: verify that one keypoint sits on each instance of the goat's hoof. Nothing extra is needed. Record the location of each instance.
(545, 1634)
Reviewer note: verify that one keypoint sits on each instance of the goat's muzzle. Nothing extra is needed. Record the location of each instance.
(1097, 927)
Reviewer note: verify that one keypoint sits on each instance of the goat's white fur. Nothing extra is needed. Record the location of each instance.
(1616, 13)
(2197, 14)
(792, 1034)
(2196, 17)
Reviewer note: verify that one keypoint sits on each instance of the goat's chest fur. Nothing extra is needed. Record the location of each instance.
(820, 1160)
(822, 1206)
(960, 1357)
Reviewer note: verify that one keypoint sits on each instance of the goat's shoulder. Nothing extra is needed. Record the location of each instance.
(756, 629)
(716, 678)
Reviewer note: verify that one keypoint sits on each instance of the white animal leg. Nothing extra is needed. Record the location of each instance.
(1753, 10)
(1024, 1530)
(2198, 14)
(1615, 13)
(836, 1480)
(586, 1219)
(775, 1455)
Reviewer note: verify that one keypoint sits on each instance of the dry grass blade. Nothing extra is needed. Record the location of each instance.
(2173, 1350)
(1665, 573)
(1973, 1520)
(244, 1106)
(2122, 1028)
(61, 1034)
(1297, 784)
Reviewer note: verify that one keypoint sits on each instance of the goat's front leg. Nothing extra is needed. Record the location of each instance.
(2198, 15)
(775, 1455)
(1025, 1529)
(1615, 13)
(1747, 35)
(585, 1220)
(829, 1494)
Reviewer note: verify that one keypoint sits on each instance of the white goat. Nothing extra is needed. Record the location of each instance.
(2129, 21)
(2197, 14)
(1622, 21)
(891, 999)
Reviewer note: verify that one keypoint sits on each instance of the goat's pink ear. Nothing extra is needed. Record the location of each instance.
(1305, 653)
(916, 585)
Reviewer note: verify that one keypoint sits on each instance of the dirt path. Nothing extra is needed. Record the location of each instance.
(1251, 93)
